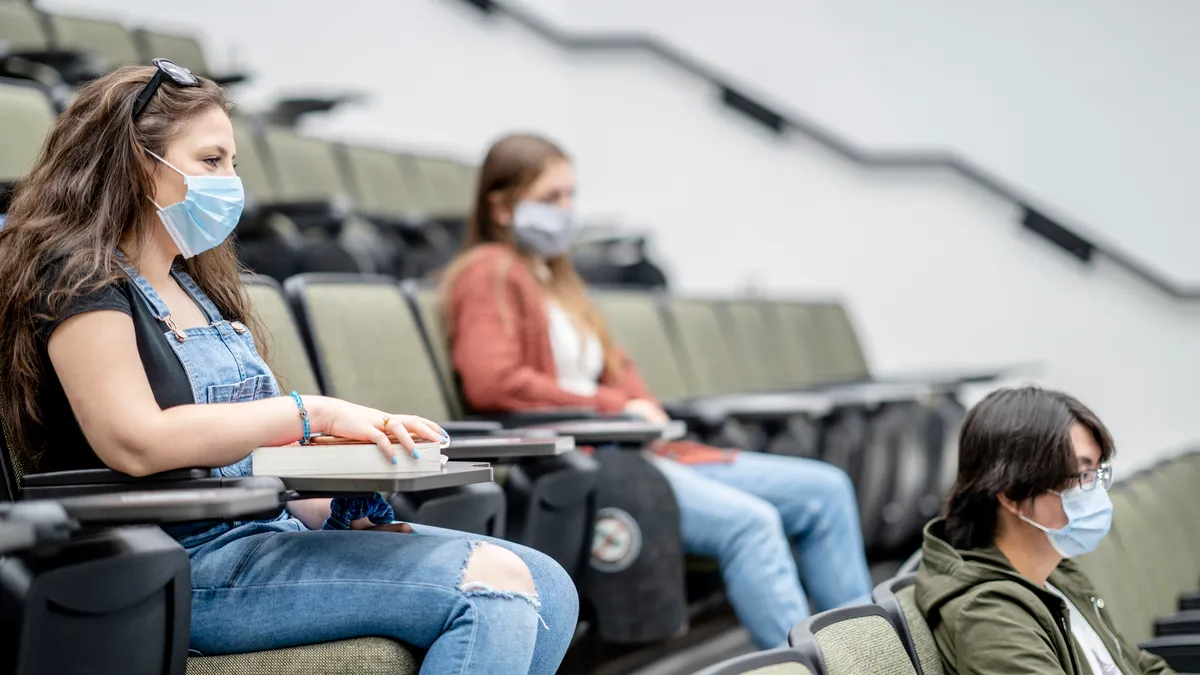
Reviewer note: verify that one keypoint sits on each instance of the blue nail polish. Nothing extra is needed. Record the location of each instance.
(395, 459)
(445, 435)
(416, 453)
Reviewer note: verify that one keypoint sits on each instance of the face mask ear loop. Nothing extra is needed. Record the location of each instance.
(168, 164)
(1023, 517)
(172, 166)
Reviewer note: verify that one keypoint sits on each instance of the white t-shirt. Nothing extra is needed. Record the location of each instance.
(1098, 658)
(578, 358)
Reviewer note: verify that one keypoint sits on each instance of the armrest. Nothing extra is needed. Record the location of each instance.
(24, 525)
(1183, 623)
(16, 537)
(107, 476)
(227, 79)
(1181, 652)
(760, 407)
(686, 412)
(953, 379)
(508, 448)
(878, 393)
(471, 427)
(184, 479)
(526, 418)
(303, 210)
(247, 497)
(72, 67)
(1189, 601)
(288, 110)
(605, 431)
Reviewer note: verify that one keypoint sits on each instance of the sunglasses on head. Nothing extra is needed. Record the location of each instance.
(181, 76)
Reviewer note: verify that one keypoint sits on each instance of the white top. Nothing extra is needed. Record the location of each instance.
(1098, 658)
(578, 357)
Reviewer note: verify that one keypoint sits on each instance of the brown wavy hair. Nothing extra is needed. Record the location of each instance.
(89, 191)
(511, 165)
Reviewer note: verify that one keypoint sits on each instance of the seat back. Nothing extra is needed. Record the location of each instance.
(1132, 588)
(109, 40)
(755, 345)
(781, 661)
(697, 334)
(366, 344)
(306, 168)
(801, 353)
(284, 344)
(897, 596)
(21, 28)
(637, 324)
(1180, 477)
(853, 640)
(380, 185)
(424, 300)
(1163, 534)
(1104, 568)
(11, 469)
(27, 118)
(252, 163)
(182, 49)
(451, 185)
(843, 351)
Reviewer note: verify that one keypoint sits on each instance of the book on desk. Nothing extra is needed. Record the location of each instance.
(331, 456)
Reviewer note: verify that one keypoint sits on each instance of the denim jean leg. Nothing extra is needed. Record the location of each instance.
(745, 535)
(820, 514)
(556, 591)
(271, 585)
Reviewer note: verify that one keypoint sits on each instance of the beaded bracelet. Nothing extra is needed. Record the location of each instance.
(307, 439)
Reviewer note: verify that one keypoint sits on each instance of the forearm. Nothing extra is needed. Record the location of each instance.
(213, 435)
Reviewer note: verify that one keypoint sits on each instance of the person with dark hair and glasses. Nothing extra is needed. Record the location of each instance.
(996, 582)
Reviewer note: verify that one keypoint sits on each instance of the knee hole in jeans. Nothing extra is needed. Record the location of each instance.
(494, 568)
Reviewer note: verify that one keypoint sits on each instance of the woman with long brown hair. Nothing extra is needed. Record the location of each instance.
(128, 343)
(525, 336)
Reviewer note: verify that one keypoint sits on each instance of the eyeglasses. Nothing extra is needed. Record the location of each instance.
(1088, 480)
(179, 75)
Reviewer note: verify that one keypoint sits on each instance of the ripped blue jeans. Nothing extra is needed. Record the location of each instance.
(271, 584)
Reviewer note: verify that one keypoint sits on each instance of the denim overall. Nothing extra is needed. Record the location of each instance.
(222, 366)
(271, 584)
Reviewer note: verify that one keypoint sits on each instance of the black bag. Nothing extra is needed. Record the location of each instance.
(635, 576)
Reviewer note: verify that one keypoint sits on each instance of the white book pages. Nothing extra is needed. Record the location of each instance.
(334, 460)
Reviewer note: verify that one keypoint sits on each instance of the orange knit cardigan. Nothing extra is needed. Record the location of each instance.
(500, 331)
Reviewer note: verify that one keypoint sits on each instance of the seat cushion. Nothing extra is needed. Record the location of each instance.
(361, 656)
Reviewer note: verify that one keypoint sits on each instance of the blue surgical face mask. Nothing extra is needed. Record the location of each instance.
(544, 229)
(208, 213)
(1089, 516)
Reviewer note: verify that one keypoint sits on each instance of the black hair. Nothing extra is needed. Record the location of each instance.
(1015, 442)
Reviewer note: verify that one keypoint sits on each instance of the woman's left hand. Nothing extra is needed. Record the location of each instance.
(408, 428)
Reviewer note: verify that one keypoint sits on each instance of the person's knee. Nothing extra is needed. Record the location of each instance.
(832, 482)
(497, 568)
(754, 520)
(844, 484)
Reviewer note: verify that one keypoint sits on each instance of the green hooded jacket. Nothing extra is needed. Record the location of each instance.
(987, 619)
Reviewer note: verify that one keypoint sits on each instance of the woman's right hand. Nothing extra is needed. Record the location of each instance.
(335, 417)
(647, 410)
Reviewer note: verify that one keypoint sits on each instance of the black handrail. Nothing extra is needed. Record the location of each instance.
(774, 118)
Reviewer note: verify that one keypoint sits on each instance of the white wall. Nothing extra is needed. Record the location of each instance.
(1088, 105)
(937, 272)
